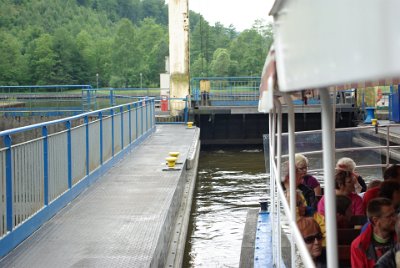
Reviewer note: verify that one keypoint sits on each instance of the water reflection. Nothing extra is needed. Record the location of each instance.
(229, 181)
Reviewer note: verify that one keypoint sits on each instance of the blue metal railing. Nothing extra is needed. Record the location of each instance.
(225, 91)
(40, 176)
(49, 100)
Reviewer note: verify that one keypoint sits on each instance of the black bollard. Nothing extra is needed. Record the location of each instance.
(264, 205)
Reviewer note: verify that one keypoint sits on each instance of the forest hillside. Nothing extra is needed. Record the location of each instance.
(70, 41)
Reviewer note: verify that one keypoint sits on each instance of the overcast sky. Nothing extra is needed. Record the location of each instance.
(241, 14)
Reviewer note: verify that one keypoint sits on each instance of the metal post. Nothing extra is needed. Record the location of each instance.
(121, 111)
(97, 81)
(272, 182)
(278, 174)
(86, 119)
(69, 153)
(112, 131)
(135, 106)
(130, 123)
(329, 163)
(45, 166)
(9, 184)
(292, 172)
(141, 81)
(101, 137)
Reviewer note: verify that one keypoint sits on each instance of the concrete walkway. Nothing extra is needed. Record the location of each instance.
(127, 218)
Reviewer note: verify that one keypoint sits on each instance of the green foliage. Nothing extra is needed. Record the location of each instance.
(71, 41)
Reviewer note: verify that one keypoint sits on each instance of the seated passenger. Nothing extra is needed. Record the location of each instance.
(373, 184)
(312, 236)
(303, 211)
(345, 185)
(391, 259)
(343, 211)
(301, 163)
(347, 164)
(390, 189)
(308, 193)
(378, 238)
(369, 195)
(392, 173)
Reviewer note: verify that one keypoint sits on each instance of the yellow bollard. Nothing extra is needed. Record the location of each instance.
(374, 121)
(171, 161)
(174, 154)
(189, 124)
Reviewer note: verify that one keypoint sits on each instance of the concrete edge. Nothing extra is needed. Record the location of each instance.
(191, 158)
(249, 237)
(176, 251)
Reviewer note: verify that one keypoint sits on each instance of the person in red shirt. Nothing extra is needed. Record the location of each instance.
(379, 236)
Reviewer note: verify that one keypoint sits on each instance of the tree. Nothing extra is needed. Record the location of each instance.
(221, 62)
(249, 49)
(126, 59)
(12, 62)
(199, 68)
(43, 60)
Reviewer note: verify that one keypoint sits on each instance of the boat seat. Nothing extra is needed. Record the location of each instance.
(344, 256)
(359, 220)
(346, 236)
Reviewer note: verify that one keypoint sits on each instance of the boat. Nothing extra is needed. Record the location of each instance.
(325, 46)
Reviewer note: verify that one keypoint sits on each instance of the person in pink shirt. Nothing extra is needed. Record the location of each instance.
(345, 185)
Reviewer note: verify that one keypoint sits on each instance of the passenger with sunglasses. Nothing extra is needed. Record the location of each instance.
(312, 236)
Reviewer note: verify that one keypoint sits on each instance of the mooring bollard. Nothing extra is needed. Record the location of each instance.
(189, 124)
(174, 154)
(171, 161)
(264, 204)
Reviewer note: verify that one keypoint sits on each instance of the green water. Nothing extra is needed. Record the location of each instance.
(229, 182)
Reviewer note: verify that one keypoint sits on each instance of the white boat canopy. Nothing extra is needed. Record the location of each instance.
(324, 43)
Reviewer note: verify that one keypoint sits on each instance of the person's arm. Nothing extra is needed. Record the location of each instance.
(362, 184)
(321, 206)
(317, 190)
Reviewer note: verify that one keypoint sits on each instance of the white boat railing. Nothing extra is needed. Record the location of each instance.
(329, 154)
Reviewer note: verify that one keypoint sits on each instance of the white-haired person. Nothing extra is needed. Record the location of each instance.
(301, 163)
(348, 164)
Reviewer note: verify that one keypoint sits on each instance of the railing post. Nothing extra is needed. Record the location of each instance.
(387, 145)
(112, 131)
(86, 118)
(130, 123)
(101, 137)
(45, 165)
(328, 148)
(186, 111)
(292, 172)
(121, 111)
(141, 115)
(69, 153)
(152, 113)
(9, 184)
(135, 106)
(147, 114)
